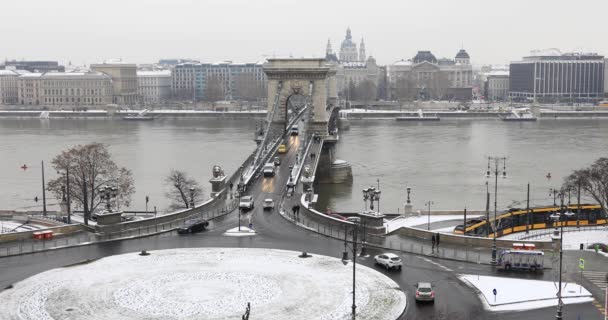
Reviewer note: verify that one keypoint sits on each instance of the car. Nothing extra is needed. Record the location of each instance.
(294, 131)
(388, 260)
(425, 292)
(268, 204)
(277, 161)
(282, 148)
(246, 202)
(194, 226)
(268, 170)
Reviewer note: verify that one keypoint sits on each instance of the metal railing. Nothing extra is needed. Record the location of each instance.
(32, 246)
(540, 233)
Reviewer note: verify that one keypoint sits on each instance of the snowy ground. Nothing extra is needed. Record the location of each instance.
(234, 232)
(519, 294)
(17, 226)
(572, 239)
(415, 220)
(204, 283)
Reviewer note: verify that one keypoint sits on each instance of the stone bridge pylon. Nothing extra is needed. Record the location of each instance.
(312, 78)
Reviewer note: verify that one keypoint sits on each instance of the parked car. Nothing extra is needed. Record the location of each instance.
(246, 202)
(193, 227)
(388, 260)
(277, 161)
(282, 148)
(337, 216)
(425, 292)
(268, 204)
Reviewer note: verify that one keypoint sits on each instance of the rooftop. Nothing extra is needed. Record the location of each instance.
(155, 73)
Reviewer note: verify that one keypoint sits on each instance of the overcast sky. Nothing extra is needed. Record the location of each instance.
(142, 31)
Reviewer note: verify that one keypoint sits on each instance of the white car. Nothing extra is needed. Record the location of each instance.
(425, 292)
(268, 204)
(246, 202)
(388, 260)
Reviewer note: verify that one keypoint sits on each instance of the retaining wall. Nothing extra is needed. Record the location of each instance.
(27, 235)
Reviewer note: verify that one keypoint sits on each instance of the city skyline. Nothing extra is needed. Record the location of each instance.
(247, 31)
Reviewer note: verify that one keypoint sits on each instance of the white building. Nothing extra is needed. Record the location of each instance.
(154, 86)
(9, 89)
(496, 85)
(65, 89)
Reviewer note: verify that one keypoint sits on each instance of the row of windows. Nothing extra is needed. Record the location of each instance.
(68, 100)
(72, 91)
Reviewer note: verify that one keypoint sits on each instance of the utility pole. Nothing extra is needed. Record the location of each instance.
(67, 182)
(464, 225)
(528, 209)
(43, 192)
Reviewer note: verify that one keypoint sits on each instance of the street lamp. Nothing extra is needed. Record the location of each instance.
(354, 231)
(496, 172)
(408, 189)
(428, 204)
(107, 193)
(372, 194)
(191, 197)
(554, 192)
(558, 218)
(240, 192)
(65, 189)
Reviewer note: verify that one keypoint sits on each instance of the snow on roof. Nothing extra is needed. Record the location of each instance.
(545, 52)
(7, 73)
(403, 63)
(154, 73)
(32, 75)
(497, 73)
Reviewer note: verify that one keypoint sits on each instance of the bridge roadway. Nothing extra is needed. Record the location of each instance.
(273, 231)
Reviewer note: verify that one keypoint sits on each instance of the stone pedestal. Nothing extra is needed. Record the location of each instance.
(374, 222)
(217, 185)
(407, 208)
(109, 218)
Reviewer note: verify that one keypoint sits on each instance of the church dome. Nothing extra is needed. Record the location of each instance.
(462, 54)
(424, 56)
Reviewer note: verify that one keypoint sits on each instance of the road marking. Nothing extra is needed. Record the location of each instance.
(598, 278)
(437, 264)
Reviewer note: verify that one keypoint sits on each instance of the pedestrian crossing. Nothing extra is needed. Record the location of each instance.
(598, 278)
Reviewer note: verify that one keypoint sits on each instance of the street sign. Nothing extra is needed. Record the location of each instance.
(581, 263)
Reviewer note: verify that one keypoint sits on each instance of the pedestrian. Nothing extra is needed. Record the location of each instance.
(597, 248)
(231, 186)
(293, 210)
(433, 242)
(437, 240)
(298, 209)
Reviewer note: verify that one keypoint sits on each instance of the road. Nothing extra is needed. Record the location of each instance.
(454, 299)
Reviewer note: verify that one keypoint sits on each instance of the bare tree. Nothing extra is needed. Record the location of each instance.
(593, 181)
(90, 167)
(180, 186)
(366, 91)
(214, 91)
(248, 88)
(438, 85)
(405, 88)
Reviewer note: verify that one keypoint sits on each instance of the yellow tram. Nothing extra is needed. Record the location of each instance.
(517, 220)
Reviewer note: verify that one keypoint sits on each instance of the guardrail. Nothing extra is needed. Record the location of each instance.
(32, 246)
(539, 233)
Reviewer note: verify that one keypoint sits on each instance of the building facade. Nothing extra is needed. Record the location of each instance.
(426, 77)
(219, 81)
(550, 76)
(154, 86)
(496, 86)
(9, 88)
(65, 89)
(355, 69)
(34, 66)
(124, 80)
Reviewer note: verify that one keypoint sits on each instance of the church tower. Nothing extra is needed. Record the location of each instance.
(348, 49)
(362, 55)
(328, 50)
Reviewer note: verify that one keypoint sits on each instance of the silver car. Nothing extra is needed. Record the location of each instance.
(425, 292)
(388, 260)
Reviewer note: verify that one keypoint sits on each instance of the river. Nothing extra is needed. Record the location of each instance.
(444, 162)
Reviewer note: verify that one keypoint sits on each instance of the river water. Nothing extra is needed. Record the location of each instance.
(444, 162)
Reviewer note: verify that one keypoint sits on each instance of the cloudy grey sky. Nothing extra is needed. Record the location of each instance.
(492, 31)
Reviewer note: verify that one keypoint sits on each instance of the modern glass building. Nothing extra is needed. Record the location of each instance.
(555, 77)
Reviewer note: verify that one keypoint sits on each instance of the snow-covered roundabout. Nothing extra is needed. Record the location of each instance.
(205, 283)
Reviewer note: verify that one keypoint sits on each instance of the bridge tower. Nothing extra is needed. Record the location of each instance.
(291, 76)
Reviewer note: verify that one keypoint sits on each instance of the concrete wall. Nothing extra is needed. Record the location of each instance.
(466, 240)
(27, 235)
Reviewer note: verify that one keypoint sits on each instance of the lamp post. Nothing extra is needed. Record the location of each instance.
(558, 219)
(408, 189)
(240, 192)
(496, 172)
(372, 194)
(65, 190)
(191, 197)
(107, 193)
(354, 231)
(554, 192)
(428, 205)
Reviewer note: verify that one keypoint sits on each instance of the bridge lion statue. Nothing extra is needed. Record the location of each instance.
(217, 171)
